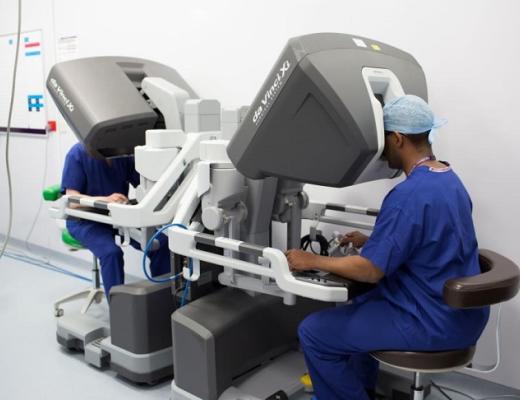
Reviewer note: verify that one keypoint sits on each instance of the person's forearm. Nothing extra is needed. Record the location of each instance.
(352, 267)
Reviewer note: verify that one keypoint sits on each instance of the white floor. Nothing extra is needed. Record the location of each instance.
(34, 366)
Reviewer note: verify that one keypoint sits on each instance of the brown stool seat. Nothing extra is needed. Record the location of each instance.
(498, 281)
(426, 361)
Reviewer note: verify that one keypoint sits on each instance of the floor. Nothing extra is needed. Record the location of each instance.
(34, 366)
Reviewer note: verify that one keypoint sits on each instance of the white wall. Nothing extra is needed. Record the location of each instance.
(224, 49)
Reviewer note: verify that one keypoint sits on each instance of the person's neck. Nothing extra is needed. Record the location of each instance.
(411, 161)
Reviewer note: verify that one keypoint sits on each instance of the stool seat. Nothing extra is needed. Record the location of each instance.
(69, 240)
(434, 361)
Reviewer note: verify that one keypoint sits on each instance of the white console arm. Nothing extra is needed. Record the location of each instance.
(184, 242)
(317, 212)
(168, 98)
(149, 211)
(159, 205)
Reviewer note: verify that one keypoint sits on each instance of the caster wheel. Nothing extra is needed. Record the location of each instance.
(58, 312)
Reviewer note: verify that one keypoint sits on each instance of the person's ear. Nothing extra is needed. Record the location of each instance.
(398, 139)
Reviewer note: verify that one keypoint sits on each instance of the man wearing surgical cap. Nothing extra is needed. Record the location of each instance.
(423, 236)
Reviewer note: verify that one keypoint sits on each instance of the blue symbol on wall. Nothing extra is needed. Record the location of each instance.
(10, 41)
(34, 102)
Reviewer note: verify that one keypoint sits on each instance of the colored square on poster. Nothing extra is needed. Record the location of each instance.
(34, 102)
(31, 117)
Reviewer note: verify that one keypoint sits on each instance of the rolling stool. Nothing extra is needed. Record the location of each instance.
(92, 294)
(498, 282)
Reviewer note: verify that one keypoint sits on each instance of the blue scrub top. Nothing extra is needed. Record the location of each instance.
(95, 177)
(423, 236)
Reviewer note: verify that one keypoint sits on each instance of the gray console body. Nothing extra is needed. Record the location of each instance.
(140, 324)
(223, 335)
(140, 316)
(312, 121)
(100, 99)
(136, 342)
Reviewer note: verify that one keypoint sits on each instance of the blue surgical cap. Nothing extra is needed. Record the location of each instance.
(411, 115)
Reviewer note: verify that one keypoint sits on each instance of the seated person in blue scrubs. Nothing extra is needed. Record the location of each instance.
(106, 180)
(423, 236)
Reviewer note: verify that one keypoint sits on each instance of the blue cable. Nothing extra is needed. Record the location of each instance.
(147, 250)
(188, 284)
(185, 292)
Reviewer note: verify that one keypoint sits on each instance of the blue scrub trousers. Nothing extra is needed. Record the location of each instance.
(99, 239)
(336, 343)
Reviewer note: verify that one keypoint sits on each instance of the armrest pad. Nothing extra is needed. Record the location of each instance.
(52, 193)
(498, 282)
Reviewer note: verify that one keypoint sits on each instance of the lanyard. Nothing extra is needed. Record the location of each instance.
(421, 161)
